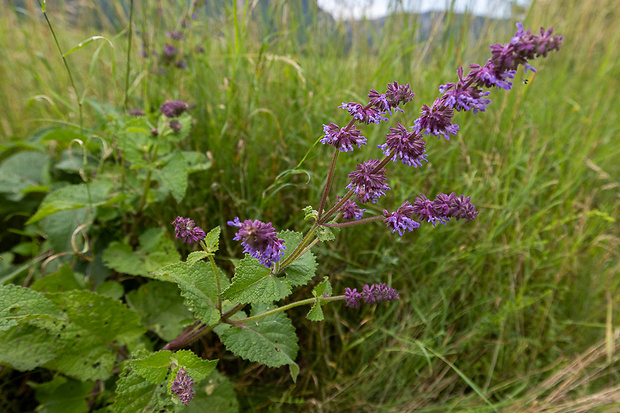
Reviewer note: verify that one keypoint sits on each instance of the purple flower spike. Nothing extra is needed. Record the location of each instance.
(368, 185)
(406, 146)
(350, 210)
(352, 297)
(185, 229)
(342, 138)
(436, 121)
(173, 108)
(443, 208)
(461, 97)
(183, 387)
(364, 115)
(401, 219)
(371, 294)
(176, 35)
(398, 94)
(260, 240)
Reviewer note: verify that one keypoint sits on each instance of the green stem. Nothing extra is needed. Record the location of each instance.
(296, 253)
(287, 307)
(217, 280)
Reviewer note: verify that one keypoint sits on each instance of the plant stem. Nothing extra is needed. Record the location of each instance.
(287, 307)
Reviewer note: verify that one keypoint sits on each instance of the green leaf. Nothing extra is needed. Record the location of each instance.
(325, 234)
(324, 288)
(62, 395)
(269, 340)
(212, 240)
(199, 287)
(196, 367)
(155, 251)
(253, 283)
(135, 394)
(214, 394)
(174, 176)
(196, 256)
(153, 368)
(301, 271)
(60, 227)
(85, 42)
(186, 125)
(112, 289)
(62, 280)
(27, 347)
(21, 171)
(73, 197)
(310, 212)
(18, 304)
(196, 161)
(161, 308)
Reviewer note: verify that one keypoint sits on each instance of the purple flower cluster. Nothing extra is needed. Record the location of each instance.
(342, 138)
(379, 104)
(173, 108)
(407, 146)
(371, 294)
(401, 219)
(367, 183)
(444, 207)
(186, 230)
(350, 210)
(260, 240)
(467, 94)
(183, 387)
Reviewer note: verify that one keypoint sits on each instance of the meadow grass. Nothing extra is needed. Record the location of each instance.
(516, 311)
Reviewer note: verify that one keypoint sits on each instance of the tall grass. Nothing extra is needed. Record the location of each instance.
(516, 311)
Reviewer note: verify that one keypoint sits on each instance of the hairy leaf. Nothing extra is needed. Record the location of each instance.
(301, 271)
(269, 340)
(253, 283)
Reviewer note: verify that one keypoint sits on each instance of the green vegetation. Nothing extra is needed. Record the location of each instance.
(516, 311)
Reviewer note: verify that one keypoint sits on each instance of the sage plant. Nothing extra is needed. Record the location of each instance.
(277, 261)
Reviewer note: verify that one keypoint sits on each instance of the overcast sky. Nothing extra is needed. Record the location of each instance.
(379, 8)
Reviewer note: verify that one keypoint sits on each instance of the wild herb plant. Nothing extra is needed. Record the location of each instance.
(58, 324)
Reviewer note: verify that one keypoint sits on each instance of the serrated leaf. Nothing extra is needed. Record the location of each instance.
(161, 308)
(310, 212)
(153, 368)
(212, 240)
(73, 197)
(196, 256)
(26, 347)
(199, 287)
(253, 283)
(303, 269)
(270, 340)
(135, 394)
(316, 312)
(196, 367)
(214, 394)
(112, 289)
(324, 288)
(154, 252)
(174, 176)
(325, 234)
(19, 303)
(62, 395)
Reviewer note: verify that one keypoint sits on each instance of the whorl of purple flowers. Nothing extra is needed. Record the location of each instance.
(183, 386)
(186, 230)
(173, 108)
(401, 219)
(444, 207)
(342, 138)
(407, 146)
(379, 104)
(350, 210)
(260, 240)
(436, 121)
(371, 294)
(368, 185)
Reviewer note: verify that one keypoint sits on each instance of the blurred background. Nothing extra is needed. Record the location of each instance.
(515, 311)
